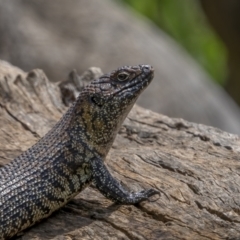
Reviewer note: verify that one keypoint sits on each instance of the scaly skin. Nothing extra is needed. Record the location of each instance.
(71, 155)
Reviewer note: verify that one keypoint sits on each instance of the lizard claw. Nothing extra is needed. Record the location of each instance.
(150, 192)
(145, 194)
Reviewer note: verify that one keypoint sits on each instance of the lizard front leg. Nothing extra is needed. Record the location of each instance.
(112, 189)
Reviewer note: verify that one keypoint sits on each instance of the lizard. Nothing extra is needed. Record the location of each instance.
(71, 155)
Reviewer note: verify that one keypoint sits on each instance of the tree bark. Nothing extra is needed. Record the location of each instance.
(196, 168)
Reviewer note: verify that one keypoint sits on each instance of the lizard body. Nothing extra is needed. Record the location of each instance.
(71, 155)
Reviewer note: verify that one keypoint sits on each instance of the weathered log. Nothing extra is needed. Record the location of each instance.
(195, 166)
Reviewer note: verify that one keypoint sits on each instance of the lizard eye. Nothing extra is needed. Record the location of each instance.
(123, 76)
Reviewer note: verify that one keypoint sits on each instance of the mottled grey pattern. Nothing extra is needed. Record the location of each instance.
(71, 155)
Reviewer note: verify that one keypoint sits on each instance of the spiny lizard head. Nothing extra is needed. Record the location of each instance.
(103, 105)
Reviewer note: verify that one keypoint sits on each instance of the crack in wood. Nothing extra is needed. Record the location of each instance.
(24, 125)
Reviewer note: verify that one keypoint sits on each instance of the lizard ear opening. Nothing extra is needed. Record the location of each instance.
(98, 101)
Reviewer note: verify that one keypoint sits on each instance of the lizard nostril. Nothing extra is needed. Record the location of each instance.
(147, 68)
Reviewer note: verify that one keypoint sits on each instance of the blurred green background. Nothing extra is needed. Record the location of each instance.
(185, 21)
